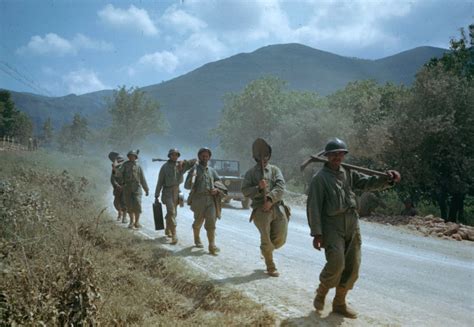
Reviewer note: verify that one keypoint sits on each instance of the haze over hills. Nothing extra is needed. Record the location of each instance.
(192, 102)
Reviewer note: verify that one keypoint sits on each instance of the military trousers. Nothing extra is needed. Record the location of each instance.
(204, 209)
(273, 228)
(119, 201)
(342, 245)
(169, 197)
(133, 199)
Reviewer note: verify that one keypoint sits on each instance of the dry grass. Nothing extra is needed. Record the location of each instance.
(64, 262)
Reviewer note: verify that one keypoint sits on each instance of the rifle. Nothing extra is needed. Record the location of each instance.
(260, 150)
(317, 158)
(158, 159)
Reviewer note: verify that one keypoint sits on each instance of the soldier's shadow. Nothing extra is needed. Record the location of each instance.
(315, 319)
(190, 251)
(236, 280)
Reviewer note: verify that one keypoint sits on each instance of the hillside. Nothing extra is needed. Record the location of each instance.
(192, 102)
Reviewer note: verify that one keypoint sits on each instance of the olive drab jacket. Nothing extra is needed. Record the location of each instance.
(132, 176)
(204, 180)
(331, 194)
(275, 189)
(170, 174)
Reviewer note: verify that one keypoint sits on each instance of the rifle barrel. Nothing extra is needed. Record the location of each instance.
(348, 166)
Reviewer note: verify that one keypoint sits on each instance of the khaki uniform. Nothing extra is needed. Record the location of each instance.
(169, 178)
(203, 204)
(331, 211)
(272, 225)
(117, 184)
(134, 181)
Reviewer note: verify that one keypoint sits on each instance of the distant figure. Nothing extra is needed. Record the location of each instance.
(409, 209)
(133, 182)
(368, 202)
(30, 144)
(117, 183)
(169, 178)
(35, 144)
(203, 199)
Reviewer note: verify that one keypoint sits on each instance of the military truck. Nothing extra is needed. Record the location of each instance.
(229, 172)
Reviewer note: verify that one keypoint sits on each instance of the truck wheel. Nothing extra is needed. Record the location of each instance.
(246, 203)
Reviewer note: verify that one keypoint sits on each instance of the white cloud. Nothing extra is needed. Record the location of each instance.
(182, 21)
(54, 44)
(133, 17)
(83, 81)
(51, 43)
(201, 47)
(160, 61)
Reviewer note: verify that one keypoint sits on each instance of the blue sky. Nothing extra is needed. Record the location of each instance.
(70, 46)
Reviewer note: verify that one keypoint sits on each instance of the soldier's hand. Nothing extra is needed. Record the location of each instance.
(157, 198)
(214, 191)
(394, 176)
(267, 206)
(180, 165)
(146, 193)
(262, 184)
(318, 242)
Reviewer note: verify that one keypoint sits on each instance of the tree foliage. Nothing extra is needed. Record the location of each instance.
(72, 138)
(12, 121)
(134, 116)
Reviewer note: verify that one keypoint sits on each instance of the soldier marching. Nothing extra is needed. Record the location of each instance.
(332, 210)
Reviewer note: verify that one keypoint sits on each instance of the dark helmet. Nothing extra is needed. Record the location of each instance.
(171, 151)
(335, 145)
(132, 153)
(201, 150)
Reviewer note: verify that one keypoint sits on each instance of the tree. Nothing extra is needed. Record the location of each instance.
(432, 140)
(251, 114)
(72, 138)
(47, 132)
(12, 121)
(134, 116)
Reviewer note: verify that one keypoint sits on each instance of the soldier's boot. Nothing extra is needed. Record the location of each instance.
(197, 239)
(339, 304)
(211, 236)
(124, 217)
(174, 238)
(271, 268)
(137, 224)
(132, 218)
(168, 231)
(119, 215)
(321, 293)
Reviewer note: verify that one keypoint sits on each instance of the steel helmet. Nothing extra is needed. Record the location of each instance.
(201, 150)
(132, 153)
(335, 145)
(171, 151)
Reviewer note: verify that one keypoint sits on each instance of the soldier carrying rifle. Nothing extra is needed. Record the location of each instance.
(169, 178)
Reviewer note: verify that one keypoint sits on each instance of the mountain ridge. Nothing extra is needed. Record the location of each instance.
(197, 95)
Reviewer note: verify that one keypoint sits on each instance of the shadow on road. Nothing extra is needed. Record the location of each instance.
(236, 280)
(315, 319)
(190, 251)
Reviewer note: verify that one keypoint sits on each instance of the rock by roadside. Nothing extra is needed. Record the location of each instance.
(428, 226)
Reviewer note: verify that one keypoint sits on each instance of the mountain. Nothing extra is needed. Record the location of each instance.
(192, 102)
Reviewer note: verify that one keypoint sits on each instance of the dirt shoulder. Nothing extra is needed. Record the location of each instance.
(63, 260)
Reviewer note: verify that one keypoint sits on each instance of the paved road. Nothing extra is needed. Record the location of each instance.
(405, 280)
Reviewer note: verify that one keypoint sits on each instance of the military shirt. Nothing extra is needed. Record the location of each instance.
(331, 193)
(132, 175)
(205, 178)
(170, 175)
(275, 187)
